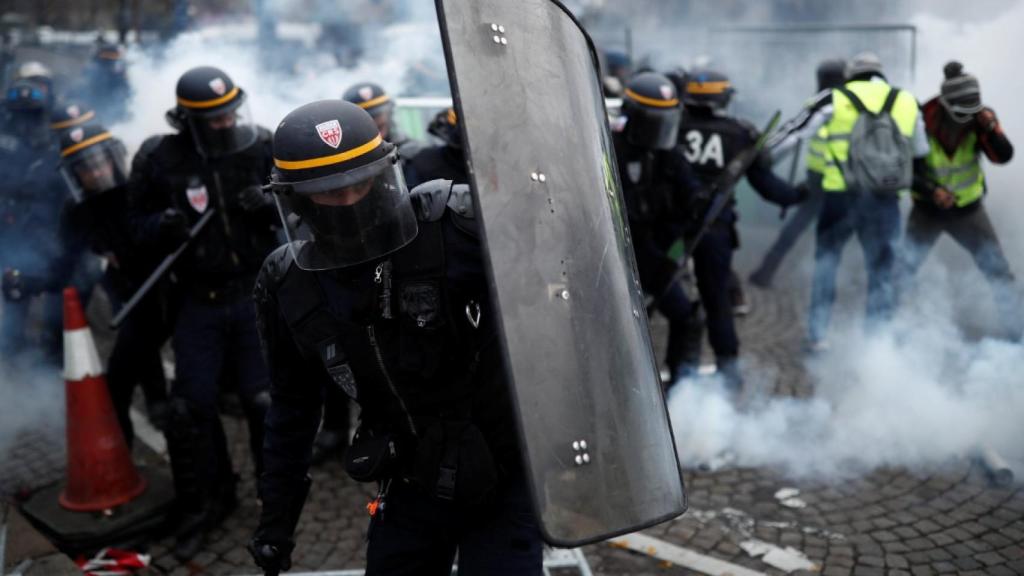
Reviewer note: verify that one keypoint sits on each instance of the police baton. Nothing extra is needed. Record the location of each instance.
(726, 182)
(160, 270)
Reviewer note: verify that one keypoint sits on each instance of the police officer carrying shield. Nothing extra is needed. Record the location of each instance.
(657, 183)
(388, 302)
(216, 161)
(710, 140)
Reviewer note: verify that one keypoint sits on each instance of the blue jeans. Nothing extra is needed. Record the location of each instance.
(876, 221)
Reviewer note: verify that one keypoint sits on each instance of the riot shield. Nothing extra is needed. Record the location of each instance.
(599, 448)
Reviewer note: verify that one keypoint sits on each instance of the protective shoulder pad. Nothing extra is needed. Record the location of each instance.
(150, 145)
(430, 199)
(275, 268)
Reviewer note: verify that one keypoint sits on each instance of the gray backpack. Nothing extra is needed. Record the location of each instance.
(881, 159)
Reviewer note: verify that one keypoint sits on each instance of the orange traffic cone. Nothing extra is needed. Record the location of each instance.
(100, 472)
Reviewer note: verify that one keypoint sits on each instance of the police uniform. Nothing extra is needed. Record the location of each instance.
(30, 206)
(658, 185)
(396, 315)
(191, 173)
(445, 161)
(710, 140)
(96, 218)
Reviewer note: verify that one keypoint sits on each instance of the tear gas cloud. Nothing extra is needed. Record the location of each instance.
(307, 73)
(929, 388)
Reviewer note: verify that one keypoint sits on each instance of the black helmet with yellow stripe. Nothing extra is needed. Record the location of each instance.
(333, 170)
(92, 161)
(69, 115)
(372, 98)
(651, 107)
(214, 111)
(445, 126)
(708, 89)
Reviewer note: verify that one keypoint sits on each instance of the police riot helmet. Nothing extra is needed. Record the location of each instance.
(960, 94)
(831, 74)
(110, 56)
(333, 170)
(445, 126)
(214, 111)
(651, 106)
(372, 98)
(69, 115)
(92, 161)
(26, 95)
(27, 103)
(709, 89)
(41, 76)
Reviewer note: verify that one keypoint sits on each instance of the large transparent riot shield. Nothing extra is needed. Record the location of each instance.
(593, 420)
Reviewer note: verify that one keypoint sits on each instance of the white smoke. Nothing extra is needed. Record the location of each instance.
(272, 93)
(928, 389)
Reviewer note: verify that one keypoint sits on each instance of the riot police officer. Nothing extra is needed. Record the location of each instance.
(388, 302)
(657, 184)
(710, 139)
(333, 436)
(31, 193)
(372, 98)
(94, 164)
(217, 162)
(445, 160)
(105, 82)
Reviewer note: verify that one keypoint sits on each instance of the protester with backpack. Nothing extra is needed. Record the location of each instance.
(948, 191)
(873, 138)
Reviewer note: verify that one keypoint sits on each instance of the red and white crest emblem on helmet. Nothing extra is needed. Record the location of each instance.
(330, 132)
(73, 111)
(77, 134)
(218, 86)
(366, 93)
(666, 91)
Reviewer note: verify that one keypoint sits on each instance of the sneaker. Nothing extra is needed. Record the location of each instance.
(740, 304)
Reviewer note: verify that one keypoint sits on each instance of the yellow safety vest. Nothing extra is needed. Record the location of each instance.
(960, 174)
(818, 157)
(836, 132)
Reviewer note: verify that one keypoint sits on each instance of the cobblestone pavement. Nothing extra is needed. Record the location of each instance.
(890, 521)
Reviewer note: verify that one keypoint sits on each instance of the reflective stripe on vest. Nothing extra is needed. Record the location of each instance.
(961, 174)
(836, 132)
(818, 157)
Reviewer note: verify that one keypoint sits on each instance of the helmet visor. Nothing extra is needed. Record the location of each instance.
(223, 132)
(95, 170)
(654, 129)
(351, 220)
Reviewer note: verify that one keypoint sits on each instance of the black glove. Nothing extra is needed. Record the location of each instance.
(13, 287)
(252, 198)
(272, 558)
(173, 226)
